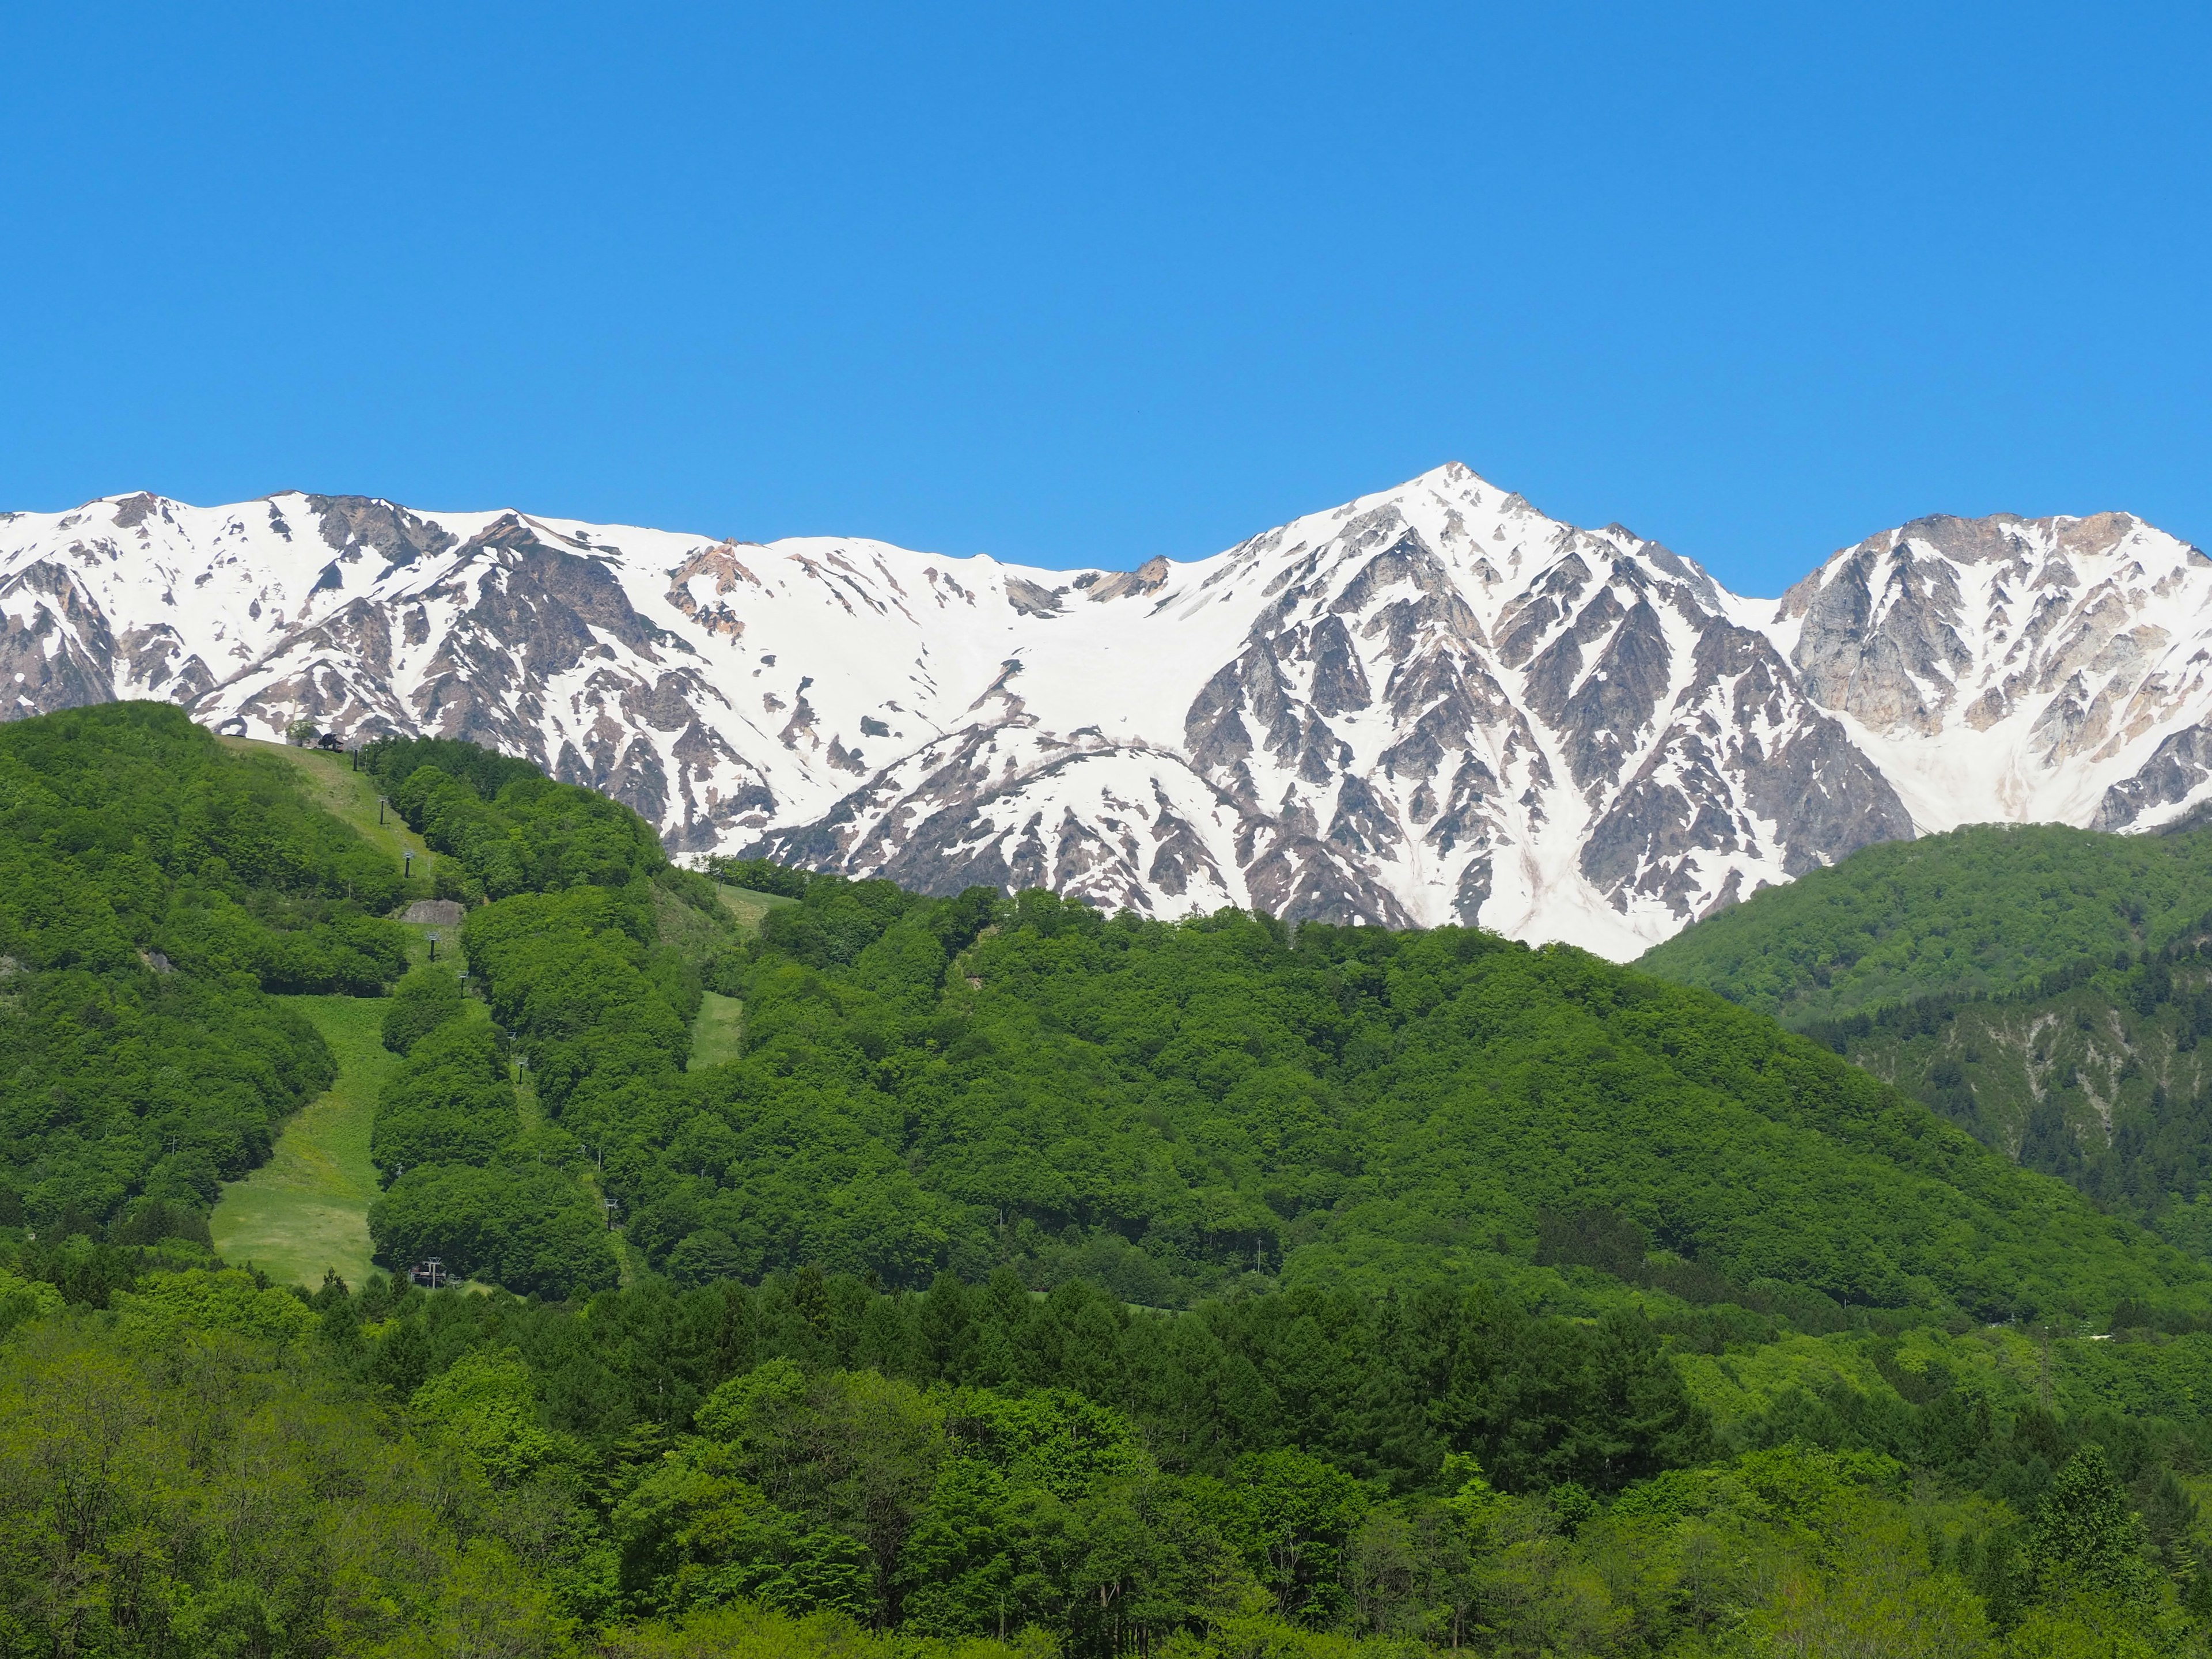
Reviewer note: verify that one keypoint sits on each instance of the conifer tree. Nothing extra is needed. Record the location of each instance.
(2086, 1538)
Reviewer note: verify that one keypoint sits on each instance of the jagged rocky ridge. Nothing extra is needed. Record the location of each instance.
(1431, 704)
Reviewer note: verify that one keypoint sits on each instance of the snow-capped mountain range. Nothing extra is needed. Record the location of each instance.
(1428, 705)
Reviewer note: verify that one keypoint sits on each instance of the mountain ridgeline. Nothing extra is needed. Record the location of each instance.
(1431, 705)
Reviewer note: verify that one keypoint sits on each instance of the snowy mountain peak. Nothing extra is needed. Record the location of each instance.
(2012, 668)
(1432, 703)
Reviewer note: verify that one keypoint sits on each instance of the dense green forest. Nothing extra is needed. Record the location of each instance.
(2046, 989)
(1031, 1281)
(153, 888)
(1987, 909)
(2098, 1075)
(1174, 1108)
(191, 1463)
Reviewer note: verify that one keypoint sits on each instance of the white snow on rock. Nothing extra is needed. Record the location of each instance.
(1431, 704)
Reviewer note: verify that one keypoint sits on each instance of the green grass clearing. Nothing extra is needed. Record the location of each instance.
(719, 1031)
(306, 1209)
(749, 907)
(335, 787)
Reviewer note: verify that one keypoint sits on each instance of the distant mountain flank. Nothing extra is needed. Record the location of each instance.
(1431, 704)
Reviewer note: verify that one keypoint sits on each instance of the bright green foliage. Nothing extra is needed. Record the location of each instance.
(451, 1102)
(393, 761)
(2086, 1539)
(603, 1016)
(570, 959)
(487, 1407)
(529, 1228)
(1289, 1516)
(422, 1001)
(1384, 1391)
(961, 1084)
(464, 1185)
(774, 1471)
(180, 1488)
(1986, 909)
(968, 1082)
(23, 1299)
(226, 1300)
(153, 884)
(531, 834)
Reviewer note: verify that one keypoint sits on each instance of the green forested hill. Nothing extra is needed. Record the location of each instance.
(2044, 988)
(2101, 1075)
(153, 888)
(978, 1082)
(964, 1083)
(1985, 909)
(1031, 1282)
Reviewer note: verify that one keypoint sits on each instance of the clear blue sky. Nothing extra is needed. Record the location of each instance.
(1080, 285)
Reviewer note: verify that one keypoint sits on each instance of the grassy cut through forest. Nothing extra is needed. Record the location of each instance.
(306, 1211)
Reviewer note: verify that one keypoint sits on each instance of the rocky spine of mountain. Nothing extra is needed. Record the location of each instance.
(1432, 704)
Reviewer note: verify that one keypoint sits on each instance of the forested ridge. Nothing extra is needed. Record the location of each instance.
(1032, 1280)
(1987, 910)
(1165, 1108)
(2048, 990)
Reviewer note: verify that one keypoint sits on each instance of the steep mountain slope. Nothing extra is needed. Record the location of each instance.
(1431, 704)
(2047, 669)
(2099, 1075)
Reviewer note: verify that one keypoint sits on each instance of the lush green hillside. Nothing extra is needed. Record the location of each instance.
(979, 1082)
(1982, 909)
(816, 1469)
(154, 887)
(967, 1084)
(2104, 1078)
(590, 949)
(1530, 1304)
(2044, 988)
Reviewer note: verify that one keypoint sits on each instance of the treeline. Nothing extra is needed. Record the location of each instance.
(782, 1470)
(154, 887)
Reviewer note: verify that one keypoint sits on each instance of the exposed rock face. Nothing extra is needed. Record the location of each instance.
(2008, 668)
(1434, 704)
(2175, 776)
